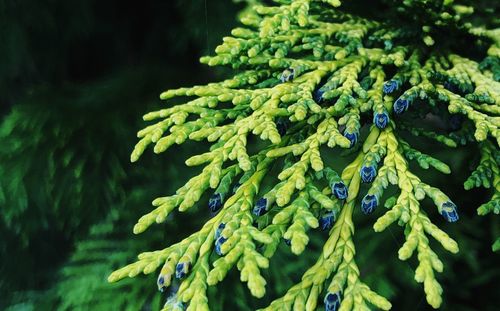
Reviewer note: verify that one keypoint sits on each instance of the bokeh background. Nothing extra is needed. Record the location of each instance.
(75, 78)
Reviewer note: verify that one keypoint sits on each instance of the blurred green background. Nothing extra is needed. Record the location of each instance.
(75, 78)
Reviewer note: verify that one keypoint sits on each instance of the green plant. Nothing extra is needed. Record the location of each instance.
(312, 78)
(48, 167)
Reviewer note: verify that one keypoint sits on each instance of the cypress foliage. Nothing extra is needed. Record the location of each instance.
(313, 78)
(334, 156)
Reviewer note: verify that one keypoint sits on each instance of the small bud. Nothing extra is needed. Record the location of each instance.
(282, 125)
(215, 202)
(318, 95)
(161, 283)
(260, 207)
(449, 211)
(332, 301)
(174, 304)
(381, 119)
(287, 75)
(368, 173)
(339, 190)
(390, 86)
(326, 221)
(182, 269)
(218, 232)
(400, 105)
(218, 243)
(353, 137)
(369, 204)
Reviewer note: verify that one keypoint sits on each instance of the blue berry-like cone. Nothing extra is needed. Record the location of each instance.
(390, 86)
(287, 75)
(161, 283)
(181, 270)
(353, 137)
(215, 202)
(369, 204)
(260, 207)
(326, 221)
(218, 232)
(368, 173)
(400, 105)
(282, 125)
(381, 120)
(449, 211)
(332, 301)
(339, 190)
(318, 95)
(288, 242)
(218, 243)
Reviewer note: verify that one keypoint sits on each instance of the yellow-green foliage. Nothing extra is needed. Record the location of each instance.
(308, 76)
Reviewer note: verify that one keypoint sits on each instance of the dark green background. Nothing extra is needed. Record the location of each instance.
(75, 79)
